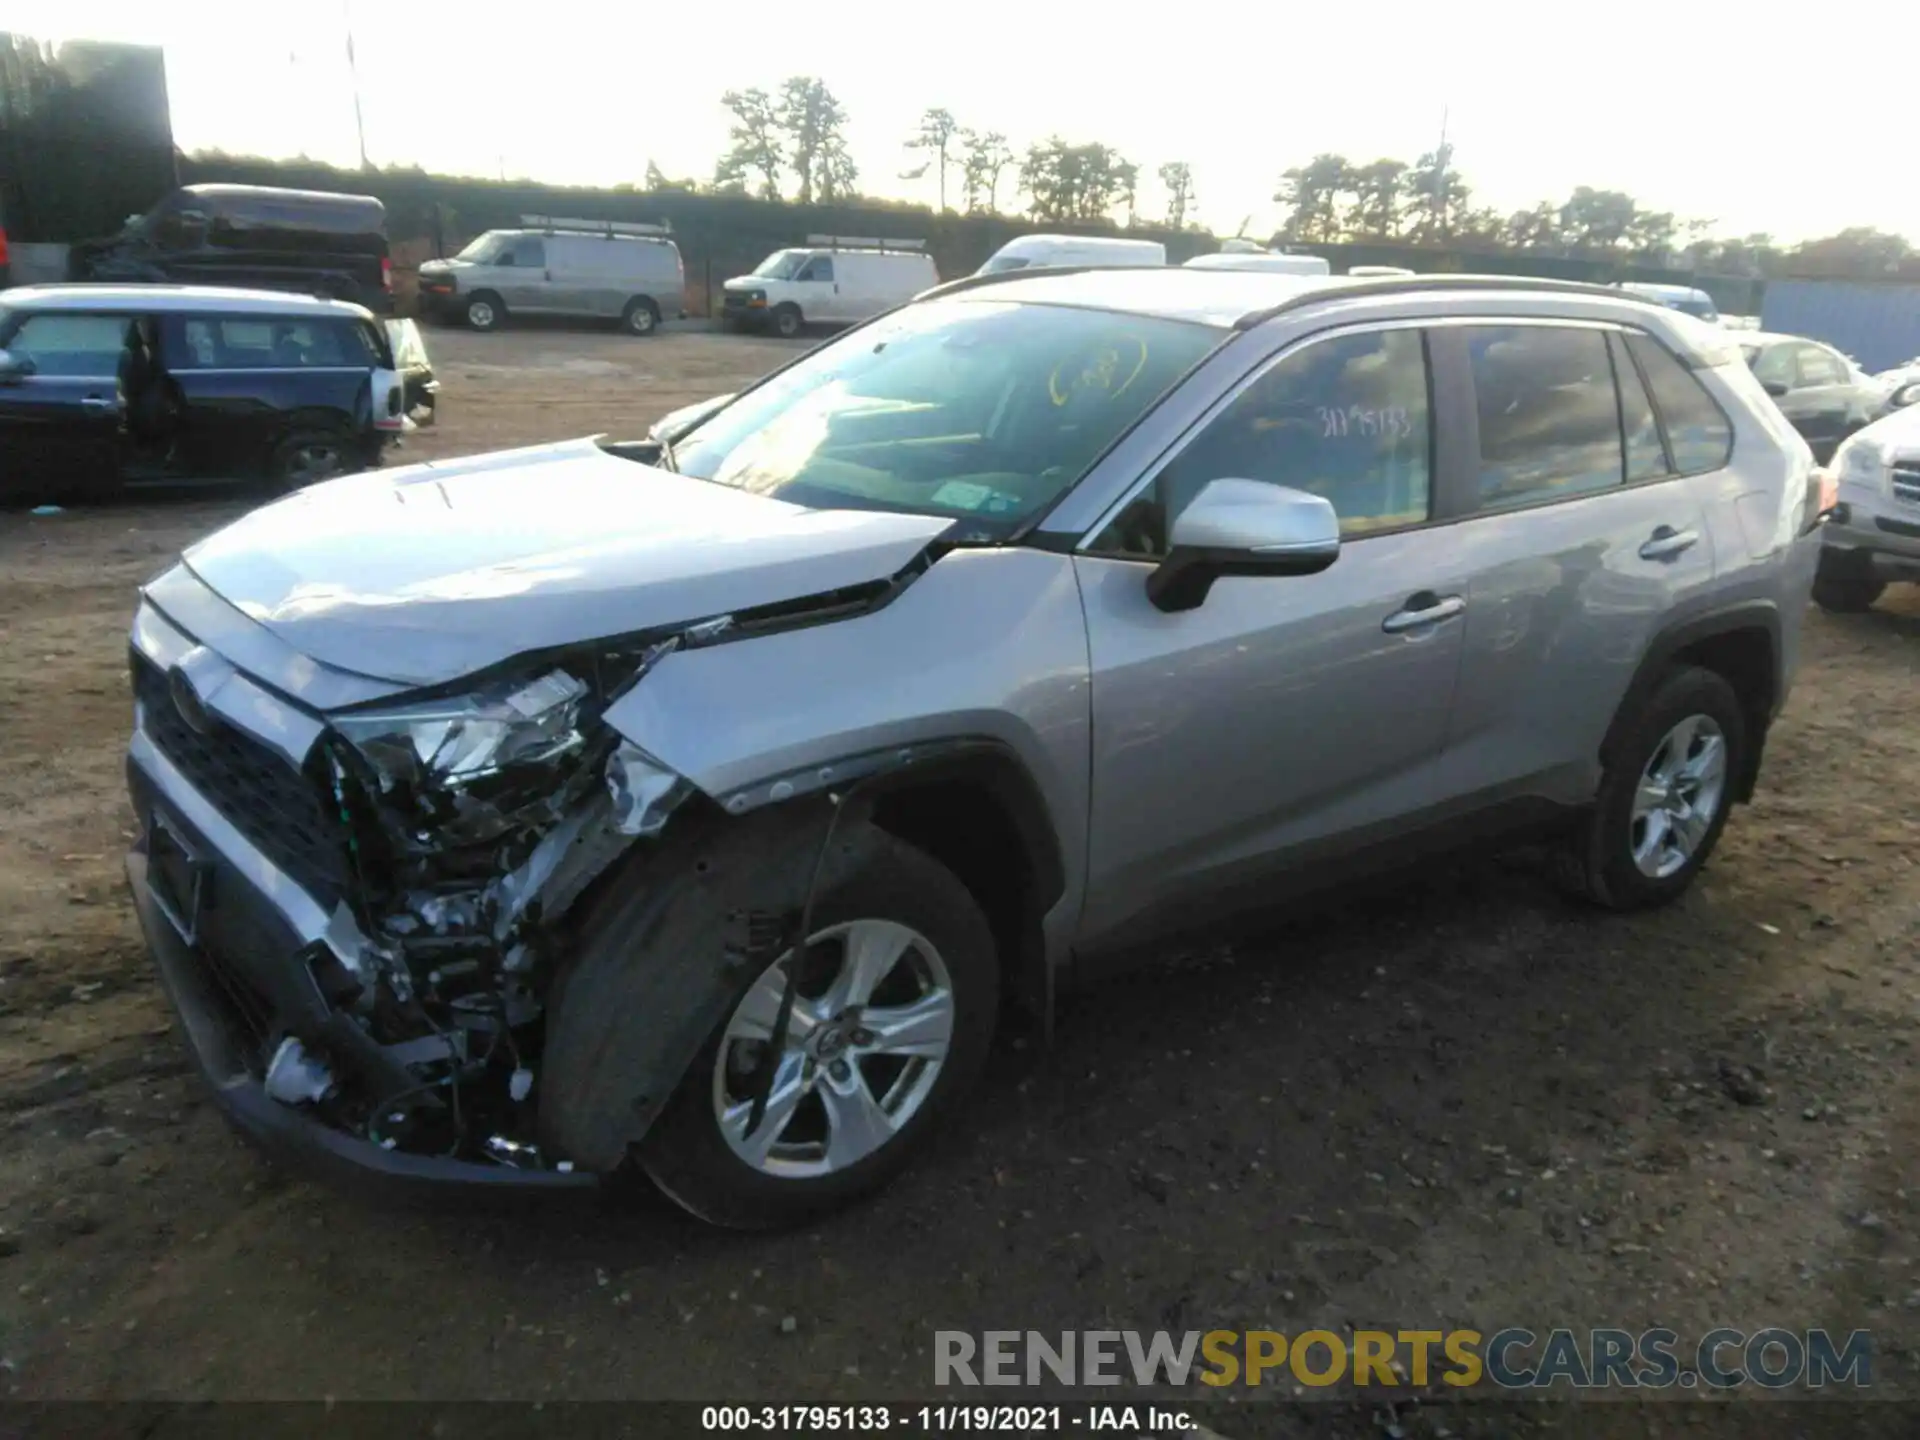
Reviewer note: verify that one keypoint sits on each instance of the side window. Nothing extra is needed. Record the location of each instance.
(1345, 418)
(1646, 456)
(528, 253)
(266, 344)
(1773, 365)
(1699, 435)
(818, 268)
(1818, 367)
(73, 346)
(1549, 414)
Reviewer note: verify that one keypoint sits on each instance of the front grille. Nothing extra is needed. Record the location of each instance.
(1906, 483)
(260, 792)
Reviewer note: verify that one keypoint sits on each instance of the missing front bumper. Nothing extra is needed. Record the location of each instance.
(206, 1016)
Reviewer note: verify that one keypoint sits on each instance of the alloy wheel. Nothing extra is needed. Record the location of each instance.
(872, 1024)
(1679, 796)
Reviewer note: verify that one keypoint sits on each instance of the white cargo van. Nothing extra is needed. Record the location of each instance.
(584, 268)
(831, 280)
(1034, 251)
(1270, 260)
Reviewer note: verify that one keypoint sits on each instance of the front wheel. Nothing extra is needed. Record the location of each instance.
(787, 323)
(895, 1001)
(485, 312)
(1665, 797)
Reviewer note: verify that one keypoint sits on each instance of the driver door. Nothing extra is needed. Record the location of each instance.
(523, 280)
(816, 290)
(62, 414)
(1283, 714)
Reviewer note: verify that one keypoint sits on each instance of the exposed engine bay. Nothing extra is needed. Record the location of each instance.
(473, 823)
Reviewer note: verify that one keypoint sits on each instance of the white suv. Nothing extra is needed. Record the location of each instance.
(1873, 537)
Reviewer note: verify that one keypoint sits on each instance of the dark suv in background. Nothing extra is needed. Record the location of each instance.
(308, 241)
(105, 385)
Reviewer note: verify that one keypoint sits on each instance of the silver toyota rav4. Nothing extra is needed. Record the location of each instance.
(690, 808)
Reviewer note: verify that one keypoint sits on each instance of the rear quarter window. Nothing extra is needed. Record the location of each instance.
(1699, 435)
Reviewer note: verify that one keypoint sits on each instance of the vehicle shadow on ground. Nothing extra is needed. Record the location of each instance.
(1401, 1005)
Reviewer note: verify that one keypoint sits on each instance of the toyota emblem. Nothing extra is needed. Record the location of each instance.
(187, 701)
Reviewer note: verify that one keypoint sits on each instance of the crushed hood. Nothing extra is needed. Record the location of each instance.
(425, 574)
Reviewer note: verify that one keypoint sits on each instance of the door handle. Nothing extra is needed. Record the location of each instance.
(98, 402)
(1667, 542)
(1422, 610)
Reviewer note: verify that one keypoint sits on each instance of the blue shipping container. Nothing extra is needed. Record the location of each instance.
(1878, 325)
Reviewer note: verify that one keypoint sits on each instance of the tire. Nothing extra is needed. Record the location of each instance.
(308, 457)
(1844, 594)
(641, 317)
(1613, 859)
(787, 323)
(484, 311)
(692, 1161)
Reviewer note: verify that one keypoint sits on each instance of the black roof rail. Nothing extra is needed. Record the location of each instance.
(1414, 284)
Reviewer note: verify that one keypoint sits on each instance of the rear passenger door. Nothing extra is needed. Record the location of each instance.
(1584, 537)
(245, 381)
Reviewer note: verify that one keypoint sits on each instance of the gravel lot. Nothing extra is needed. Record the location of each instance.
(1458, 1102)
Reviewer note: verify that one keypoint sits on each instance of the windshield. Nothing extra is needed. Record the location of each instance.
(1005, 262)
(1697, 306)
(481, 248)
(780, 265)
(973, 409)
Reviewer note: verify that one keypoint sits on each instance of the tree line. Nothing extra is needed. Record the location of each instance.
(792, 143)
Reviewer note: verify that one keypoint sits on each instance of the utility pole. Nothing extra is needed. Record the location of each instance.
(1445, 157)
(353, 71)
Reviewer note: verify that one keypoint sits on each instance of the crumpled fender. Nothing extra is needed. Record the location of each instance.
(664, 948)
(987, 645)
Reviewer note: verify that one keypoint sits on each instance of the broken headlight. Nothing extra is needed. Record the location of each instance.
(473, 767)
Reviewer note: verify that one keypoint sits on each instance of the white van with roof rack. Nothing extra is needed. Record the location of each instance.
(593, 269)
(832, 279)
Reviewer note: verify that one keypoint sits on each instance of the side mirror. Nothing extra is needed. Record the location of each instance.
(1907, 394)
(1776, 388)
(1243, 527)
(14, 367)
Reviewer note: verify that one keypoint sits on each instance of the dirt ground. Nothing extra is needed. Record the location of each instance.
(1461, 1103)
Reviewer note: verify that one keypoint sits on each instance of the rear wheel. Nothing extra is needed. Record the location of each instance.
(893, 1016)
(641, 317)
(787, 323)
(307, 458)
(485, 311)
(1665, 797)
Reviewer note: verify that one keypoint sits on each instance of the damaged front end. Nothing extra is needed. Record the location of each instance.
(472, 823)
